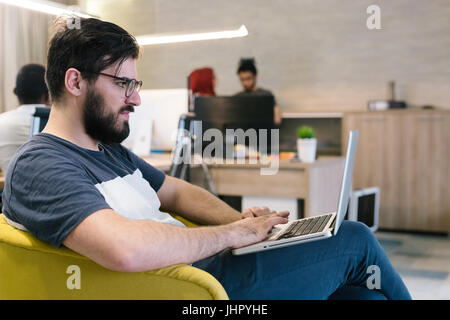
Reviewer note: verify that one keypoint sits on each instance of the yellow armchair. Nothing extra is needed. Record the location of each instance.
(33, 269)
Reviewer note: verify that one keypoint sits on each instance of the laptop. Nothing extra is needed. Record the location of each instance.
(312, 228)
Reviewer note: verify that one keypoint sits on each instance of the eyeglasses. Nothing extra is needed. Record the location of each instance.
(130, 85)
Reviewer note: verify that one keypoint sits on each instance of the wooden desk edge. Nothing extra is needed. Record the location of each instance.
(283, 163)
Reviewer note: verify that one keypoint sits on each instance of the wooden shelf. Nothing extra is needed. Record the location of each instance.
(311, 115)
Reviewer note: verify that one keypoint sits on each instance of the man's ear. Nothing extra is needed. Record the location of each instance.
(15, 91)
(74, 82)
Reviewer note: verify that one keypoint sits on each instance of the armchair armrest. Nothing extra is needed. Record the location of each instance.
(33, 269)
(186, 222)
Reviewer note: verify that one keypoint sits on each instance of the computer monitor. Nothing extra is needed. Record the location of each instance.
(163, 107)
(235, 112)
(39, 120)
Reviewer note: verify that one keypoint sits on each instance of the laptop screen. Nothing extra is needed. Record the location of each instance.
(344, 196)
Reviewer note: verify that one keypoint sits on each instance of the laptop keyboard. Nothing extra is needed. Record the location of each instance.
(306, 226)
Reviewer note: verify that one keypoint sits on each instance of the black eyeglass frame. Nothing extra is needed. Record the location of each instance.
(131, 83)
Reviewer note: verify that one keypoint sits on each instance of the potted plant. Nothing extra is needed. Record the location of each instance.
(306, 144)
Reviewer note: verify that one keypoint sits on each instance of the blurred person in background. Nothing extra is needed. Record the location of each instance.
(202, 82)
(31, 91)
(248, 75)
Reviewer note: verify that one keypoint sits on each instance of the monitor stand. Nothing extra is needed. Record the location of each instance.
(181, 160)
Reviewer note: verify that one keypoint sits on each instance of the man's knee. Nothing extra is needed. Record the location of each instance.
(357, 229)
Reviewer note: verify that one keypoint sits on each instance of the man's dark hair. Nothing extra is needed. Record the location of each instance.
(247, 65)
(91, 48)
(30, 84)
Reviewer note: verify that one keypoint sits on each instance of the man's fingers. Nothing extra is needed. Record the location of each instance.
(257, 211)
(247, 214)
(254, 211)
(275, 216)
(283, 213)
(277, 220)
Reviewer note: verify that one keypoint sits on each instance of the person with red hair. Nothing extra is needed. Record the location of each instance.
(202, 82)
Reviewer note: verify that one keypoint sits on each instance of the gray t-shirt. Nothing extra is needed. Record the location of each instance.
(52, 185)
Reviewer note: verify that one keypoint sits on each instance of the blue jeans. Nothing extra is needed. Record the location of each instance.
(333, 268)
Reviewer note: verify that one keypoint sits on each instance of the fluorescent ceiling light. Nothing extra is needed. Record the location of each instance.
(44, 6)
(176, 38)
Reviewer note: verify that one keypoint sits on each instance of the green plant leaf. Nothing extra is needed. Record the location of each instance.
(305, 132)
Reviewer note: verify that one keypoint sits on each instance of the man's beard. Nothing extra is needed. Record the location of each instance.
(101, 125)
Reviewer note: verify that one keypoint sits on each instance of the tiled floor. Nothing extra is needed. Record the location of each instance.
(423, 262)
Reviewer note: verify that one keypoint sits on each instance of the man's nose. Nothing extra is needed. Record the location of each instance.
(134, 99)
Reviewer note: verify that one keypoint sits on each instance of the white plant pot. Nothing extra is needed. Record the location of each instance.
(306, 149)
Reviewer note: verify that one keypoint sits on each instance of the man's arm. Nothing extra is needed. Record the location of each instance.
(277, 115)
(195, 203)
(121, 244)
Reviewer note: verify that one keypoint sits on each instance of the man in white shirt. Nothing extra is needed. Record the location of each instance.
(31, 91)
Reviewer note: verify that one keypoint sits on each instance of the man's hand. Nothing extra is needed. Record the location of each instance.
(125, 245)
(254, 229)
(258, 212)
